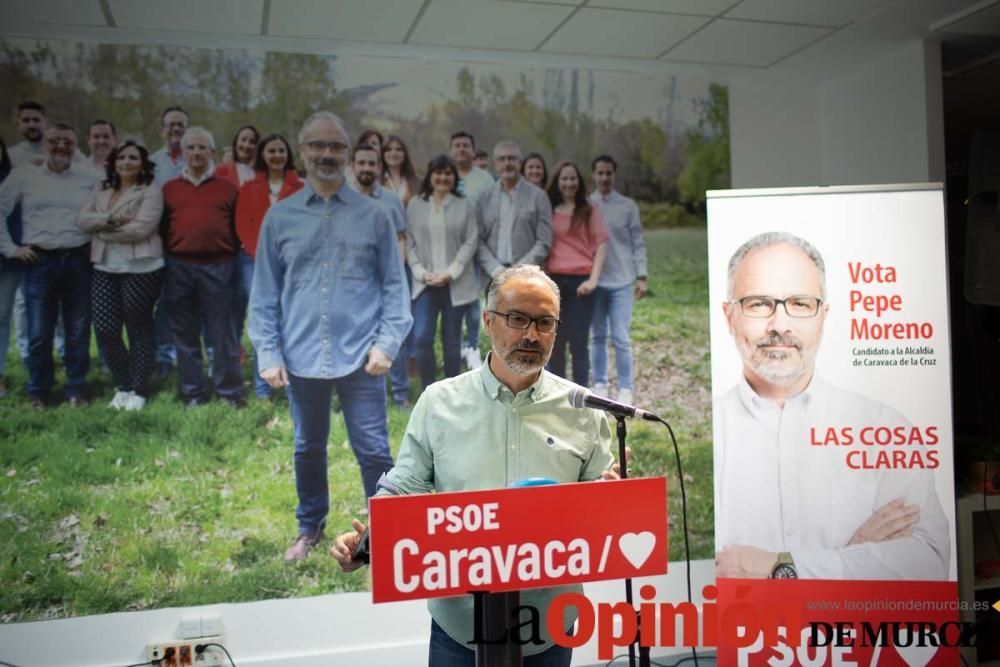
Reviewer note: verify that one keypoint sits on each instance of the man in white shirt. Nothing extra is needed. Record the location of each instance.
(31, 123)
(785, 508)
(472, 182)
(101, 138)
(366, 164)
(169, 162)
(57, 254)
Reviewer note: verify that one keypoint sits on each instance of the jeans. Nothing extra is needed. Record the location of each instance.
(575, 315)
(434, 300)
(165, 352)
(446, 652)
(473, 314)
(21, 326)
(261, 388)
(200, 296)
(612, 307)
(9, 282)
(362, 399)
(58, 282)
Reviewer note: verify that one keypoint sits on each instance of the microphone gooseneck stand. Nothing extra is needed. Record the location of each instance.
(644, 660)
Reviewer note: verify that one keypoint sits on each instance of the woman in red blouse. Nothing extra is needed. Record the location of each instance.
(275, 179)
(575, 263)
(240, 169)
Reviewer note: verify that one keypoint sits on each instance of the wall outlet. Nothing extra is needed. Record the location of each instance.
(182, 653)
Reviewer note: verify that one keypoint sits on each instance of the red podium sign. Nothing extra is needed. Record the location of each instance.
(444, 544)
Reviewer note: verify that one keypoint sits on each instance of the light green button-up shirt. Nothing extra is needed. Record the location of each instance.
(471, 432)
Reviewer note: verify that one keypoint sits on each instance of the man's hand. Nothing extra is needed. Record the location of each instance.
(740, 561)
(586, 287)
(892, 521)
(640, 288)
(276, 376)
(344, 544)
(25, 254)
(616, 469)
(378, 362)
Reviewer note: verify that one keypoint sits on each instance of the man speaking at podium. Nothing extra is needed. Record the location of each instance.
(488, 428)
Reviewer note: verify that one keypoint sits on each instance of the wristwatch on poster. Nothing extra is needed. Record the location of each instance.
(784, 568)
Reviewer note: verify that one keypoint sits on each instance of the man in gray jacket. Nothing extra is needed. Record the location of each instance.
(514, 216)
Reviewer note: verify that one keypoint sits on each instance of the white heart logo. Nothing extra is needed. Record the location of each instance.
(913, 655)
(636, 547)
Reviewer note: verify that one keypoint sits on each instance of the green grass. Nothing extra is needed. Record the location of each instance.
(104, 511)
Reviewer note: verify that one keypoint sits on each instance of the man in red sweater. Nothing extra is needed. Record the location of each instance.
(200, 240)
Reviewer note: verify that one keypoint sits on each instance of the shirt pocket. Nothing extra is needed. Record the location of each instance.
(355, 261)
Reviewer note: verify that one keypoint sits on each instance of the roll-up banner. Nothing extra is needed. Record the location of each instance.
(832, 431)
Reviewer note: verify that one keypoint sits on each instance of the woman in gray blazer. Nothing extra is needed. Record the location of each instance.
(441, 241)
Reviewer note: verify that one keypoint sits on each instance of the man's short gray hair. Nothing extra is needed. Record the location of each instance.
(767, 240)
(526, 271)
(198, 129)
(507, 143)
(324, 115)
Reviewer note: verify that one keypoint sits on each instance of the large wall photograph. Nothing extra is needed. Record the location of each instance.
(104, 511)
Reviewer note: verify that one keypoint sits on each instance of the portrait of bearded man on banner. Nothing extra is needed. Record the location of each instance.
(787, 503)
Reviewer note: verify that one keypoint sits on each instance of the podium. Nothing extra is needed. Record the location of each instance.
(496, 543)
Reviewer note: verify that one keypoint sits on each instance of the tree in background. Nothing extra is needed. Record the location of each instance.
(707, 165)
(660, 159)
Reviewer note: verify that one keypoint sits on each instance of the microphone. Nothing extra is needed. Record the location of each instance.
(579, 397)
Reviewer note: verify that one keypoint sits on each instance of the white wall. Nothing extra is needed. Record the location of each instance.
(881, 123)
(774, 135)
(877, 123)
(342, 629)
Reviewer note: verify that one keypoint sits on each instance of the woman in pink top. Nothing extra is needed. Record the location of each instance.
(575, 262)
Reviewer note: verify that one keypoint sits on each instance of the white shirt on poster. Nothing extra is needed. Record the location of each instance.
(777, 491)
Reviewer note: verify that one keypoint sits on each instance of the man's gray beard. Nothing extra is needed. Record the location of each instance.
(768, 370)
(518, 367)
(327, 173)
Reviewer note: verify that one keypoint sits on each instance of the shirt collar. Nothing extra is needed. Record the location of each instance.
(596, 196)
(345, 194)
(755, 403)
(493, 386)
(518, 187)
(186, 175)
(65, 172)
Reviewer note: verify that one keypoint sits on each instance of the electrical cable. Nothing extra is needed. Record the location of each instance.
(684, 517)
(154, 663)
(7, 664)
(200, 648)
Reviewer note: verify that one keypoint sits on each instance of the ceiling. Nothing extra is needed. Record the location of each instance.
(767, 38)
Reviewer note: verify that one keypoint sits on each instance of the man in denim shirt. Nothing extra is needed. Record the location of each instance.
(329, 310)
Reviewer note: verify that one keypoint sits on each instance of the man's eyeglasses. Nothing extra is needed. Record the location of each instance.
(764, 306)
(323, 146)
(515, 320)
(61, 142)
